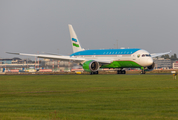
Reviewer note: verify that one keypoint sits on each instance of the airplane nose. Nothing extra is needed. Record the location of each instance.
(149, 61)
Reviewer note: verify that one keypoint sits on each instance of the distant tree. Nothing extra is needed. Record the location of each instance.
(174, 57)
(165, 56)
(162, 56)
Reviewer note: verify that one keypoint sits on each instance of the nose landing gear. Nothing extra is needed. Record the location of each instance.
(143, 71)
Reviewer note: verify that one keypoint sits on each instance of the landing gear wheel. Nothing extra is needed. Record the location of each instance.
(143, 72)
(121, 72)
(92, 73)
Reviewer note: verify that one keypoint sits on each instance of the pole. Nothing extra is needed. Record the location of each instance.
(38, 64)
(69, 66)
(27, 62)
(38, 60)
(53, 65)
(35, 63)
(58, 65)
(58, 51)
(5, 66)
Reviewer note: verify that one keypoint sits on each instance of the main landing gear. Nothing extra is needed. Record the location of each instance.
(92, 73)
(121, 72)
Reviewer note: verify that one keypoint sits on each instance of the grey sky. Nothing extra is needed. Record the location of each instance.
(32, 26)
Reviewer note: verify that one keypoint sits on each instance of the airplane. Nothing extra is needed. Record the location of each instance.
(93, 60)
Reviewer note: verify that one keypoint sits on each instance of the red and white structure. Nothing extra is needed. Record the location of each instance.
(175, 65)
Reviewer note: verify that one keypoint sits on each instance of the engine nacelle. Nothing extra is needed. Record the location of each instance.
(91, 66)
(151, 67)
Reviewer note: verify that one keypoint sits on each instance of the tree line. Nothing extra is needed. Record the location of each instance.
(172, 57)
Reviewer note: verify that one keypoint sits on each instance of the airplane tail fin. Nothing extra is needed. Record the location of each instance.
(75, 42)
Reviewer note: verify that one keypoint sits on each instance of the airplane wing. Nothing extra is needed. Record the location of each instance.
(56, 57)
(64, 58)
(159, 54)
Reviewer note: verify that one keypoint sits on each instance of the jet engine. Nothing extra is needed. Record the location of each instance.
(151, 67)
(91, 66)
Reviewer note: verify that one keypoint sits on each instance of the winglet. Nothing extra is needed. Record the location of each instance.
(13, 53)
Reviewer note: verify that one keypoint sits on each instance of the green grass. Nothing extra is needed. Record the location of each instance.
(86, 97)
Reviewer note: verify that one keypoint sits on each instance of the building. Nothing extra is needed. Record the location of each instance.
(15, 61)
(161, 63)
(57, 65)
(175, 65)
(6, 61)
(16, 64)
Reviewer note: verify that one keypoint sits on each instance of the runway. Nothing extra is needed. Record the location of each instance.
(83, 74)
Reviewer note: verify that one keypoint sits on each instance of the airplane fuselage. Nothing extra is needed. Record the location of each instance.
(122, 58)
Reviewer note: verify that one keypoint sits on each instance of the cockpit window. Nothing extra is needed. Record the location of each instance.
(146, 55)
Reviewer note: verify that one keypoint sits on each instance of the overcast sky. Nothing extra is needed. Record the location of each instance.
(32, 26)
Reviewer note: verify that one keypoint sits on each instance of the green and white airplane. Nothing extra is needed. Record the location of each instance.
(92, 60)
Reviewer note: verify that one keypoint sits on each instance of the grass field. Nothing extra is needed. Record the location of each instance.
(86, 97)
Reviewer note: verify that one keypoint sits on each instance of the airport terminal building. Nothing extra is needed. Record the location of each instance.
(17, 64)
(161, 63)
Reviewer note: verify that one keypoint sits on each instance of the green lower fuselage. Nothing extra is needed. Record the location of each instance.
(121, 64)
